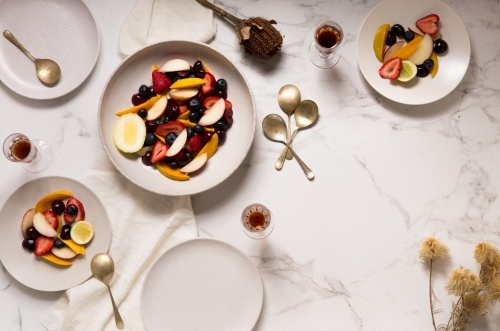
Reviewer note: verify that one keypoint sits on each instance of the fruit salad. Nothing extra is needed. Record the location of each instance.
(177, 123)
(415, 55)
(47, 237)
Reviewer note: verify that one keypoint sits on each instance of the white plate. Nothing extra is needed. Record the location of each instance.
(135, 71)
(64, 31)
(452, 65)
(35, 272)
(202, 285)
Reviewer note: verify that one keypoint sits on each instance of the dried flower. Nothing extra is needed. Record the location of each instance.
(462, 281)
(486, 253)
(475, 303)
(432, 248)
(494, 292)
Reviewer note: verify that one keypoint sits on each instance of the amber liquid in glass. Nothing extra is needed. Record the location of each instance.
(21, 149)
(327, 37)
(257, 220)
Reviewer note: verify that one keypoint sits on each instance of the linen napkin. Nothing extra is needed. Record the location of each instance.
(144, 225)
(152, 21)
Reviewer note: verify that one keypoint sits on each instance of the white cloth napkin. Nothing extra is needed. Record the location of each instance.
(152, 21)
(144, 225)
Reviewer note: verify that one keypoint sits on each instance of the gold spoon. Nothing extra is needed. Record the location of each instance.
(305, 115)
(103, 267)
(288, 99)
(274, 128)
(47, 70)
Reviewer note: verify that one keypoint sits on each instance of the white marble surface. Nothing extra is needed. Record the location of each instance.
(343, 253)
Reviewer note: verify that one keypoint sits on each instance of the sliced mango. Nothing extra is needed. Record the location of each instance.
(184, 116)
(435, 67)
(168, 172)
(57, 260)
(45, 202)
(408, 49)
(79, 249)
(379, 41)
(59, 226)
(189, 124)
(160, 138)
(147, 105)
(155, 67)
(187, 82)
(211, 147)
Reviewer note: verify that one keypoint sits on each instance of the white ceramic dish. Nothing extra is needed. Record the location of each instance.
(452, 65)
(35, 272)
(64, 31)
(202, 285)
(135, 71)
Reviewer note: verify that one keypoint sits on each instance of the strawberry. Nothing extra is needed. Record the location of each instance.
(194, 144)
(51, 218)
(172, 126)
(159, 151)
(209, 85)
(228, 105)
(80, 215)
(43, 245)
(161, 82)
(390, 69)
(209, 102)
(428, 24)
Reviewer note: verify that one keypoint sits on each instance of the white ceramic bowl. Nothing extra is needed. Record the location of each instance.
(452, 65)
(135, 71)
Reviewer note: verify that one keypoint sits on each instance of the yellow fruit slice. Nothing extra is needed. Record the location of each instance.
(155, 67)
(57, 260)
(129, 133)
(435, 67)
(184, 116)
(46, 201)
(189, 124)
(147, 105)
(160, 138)
(408, 49)
(168, 172)
(77, 248)
(379, 41)
(211, 147)
(82, 232)
(188, 82)
(59, 226)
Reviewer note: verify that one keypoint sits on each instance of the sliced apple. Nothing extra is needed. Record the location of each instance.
(196, 164)
(423, 51)
(415, 30)
(175, 65)
(213, 114)
(27, 220)
(42, 226)
(64, 252)
(393, 49)
(436, 36)
(178, 144)
(157, 109)
(183, 94)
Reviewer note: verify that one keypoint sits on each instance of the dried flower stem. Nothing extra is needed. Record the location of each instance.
(431, 295)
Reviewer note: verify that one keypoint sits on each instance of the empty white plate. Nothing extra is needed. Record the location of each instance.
(202, 285)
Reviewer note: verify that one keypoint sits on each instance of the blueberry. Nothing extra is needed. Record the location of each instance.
(159, 121)
(144, 91)
(170, 138)
(194, 117)
(409, 35)
(189, 132)
(150, 139)
(221, 84)
(176, 78)
(398, 30)
(166, 119)
(422, 71)
(220, 125)
(198, 129)
(173, 164)
(72, 210)
(66, 232)
(142, 113)
(429, 63)
(194, 104)
(58, 243)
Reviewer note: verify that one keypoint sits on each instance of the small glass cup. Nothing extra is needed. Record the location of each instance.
(34, 155)
(324, 51)
(257, 221)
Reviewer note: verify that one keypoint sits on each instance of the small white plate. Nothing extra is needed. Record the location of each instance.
(64, 31)
(35, 272)
(135, 71)
(452, 65)
(202, 285)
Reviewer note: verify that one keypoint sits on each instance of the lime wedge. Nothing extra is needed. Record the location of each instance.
(82, 232)
(408, 71)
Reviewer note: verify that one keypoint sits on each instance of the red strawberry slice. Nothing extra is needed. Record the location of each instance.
(43, 245)
(209, 102)
(209, 85)
(80, 215)
(390, 69)
(194, 144)
(159, 151)
(161, 82)
(428, 24)
(51, 218)
(228, 105)
(172, 126)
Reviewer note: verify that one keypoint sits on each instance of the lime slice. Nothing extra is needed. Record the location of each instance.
(408, 71)
(82, 232)
(129, 133)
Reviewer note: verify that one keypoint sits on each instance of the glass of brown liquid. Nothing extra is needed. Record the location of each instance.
(34, 155)
(257, 221)
(324, 51)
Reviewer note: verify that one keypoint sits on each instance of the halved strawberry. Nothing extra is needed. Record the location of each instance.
(428, 24)
(390, 69)
(209, 85)
(80, 215)
(161, 82)
(43, 245)
(194, 144)
(51, 218)
(209, 102)
(172, 126)
(158, 152)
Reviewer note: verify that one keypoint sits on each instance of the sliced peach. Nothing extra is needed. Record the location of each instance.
(379, 41)
(211, 147)
(57, 260)
(147, 105)
(435, 67)
(166, 171)
(407, 50)
(45, 202)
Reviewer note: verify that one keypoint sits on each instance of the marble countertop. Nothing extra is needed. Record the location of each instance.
(343, 254)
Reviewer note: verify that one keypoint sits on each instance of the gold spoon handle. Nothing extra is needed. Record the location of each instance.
(235, 20)
(305, 168)
(118, 319)
(288, 154)
(10, 37)
(281, 159)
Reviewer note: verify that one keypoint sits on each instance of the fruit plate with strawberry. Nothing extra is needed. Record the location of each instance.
(166, 118)
(437, 19)
(40, 267)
